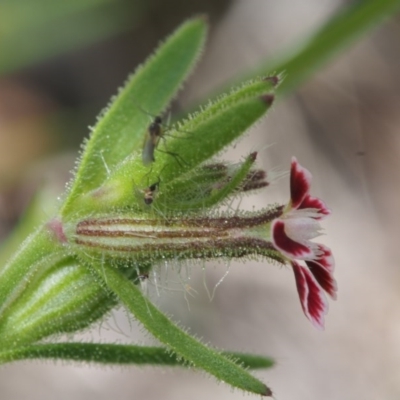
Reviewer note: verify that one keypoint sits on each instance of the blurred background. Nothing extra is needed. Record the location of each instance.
(59, 66)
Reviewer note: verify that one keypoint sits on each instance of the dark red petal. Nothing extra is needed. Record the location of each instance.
(314, 202)
(300, 181)
(285, 244)
(312, 297)
(324, 277)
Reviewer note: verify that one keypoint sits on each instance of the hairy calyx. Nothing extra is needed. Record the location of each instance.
(178, 237)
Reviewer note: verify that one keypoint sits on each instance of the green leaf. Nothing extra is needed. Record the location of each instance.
(122, 127)
(203, 135)
(353, 21)
(178, 341)
(105, 353)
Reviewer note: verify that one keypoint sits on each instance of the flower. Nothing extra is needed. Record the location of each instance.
(282, 233)
(292, 233)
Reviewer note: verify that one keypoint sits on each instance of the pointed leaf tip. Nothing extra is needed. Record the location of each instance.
(253, 156)
(267, 392)
(272, 79)
(267, 98)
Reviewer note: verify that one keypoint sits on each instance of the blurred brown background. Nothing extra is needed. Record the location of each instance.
(343, 125)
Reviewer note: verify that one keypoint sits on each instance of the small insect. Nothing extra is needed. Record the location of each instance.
(143, 277)
(149, 193)
(153, 135)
